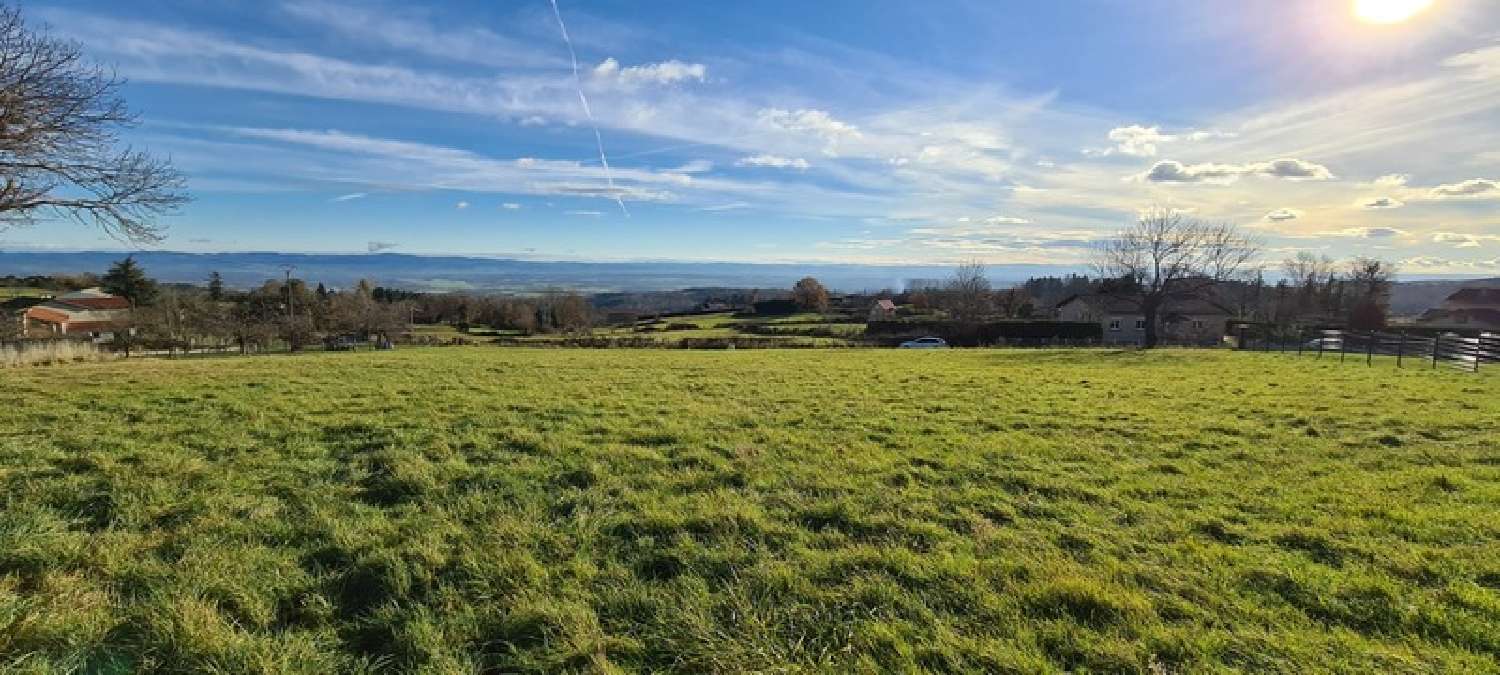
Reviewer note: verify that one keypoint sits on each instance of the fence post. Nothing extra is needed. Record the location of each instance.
(1478, 350)
(1436, 340)
(1370, 349)
(1400, 348)
(1301, 339)
(1343, 345)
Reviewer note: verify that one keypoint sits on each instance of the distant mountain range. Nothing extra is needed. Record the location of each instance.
(439, 273)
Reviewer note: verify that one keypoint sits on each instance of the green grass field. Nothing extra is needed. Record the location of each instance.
(7, 292)
(481, 509)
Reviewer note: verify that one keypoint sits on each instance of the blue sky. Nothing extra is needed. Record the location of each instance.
(882, 131)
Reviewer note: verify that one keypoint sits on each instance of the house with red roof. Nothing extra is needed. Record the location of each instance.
(90, 313)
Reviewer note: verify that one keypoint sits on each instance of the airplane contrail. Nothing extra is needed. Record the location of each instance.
(609, 176)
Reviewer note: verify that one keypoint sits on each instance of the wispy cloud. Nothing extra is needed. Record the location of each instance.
(378, 246)
(663, 73)
(774, 162)
(350, 197)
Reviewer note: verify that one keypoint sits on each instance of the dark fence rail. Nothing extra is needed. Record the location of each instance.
(985, 334)
(1464, 352)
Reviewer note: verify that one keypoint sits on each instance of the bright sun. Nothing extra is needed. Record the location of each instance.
(1388, 11)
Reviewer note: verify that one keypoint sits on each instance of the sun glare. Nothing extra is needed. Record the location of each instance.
(1388, 11)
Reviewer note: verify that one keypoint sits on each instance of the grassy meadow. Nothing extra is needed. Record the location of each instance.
(488, 510)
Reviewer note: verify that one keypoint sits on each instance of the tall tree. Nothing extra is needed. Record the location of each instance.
(126, 279)
(60, 118)
(215, 286)
(810, 294)
(966, 295)
(1165, 256)
(1370, 282)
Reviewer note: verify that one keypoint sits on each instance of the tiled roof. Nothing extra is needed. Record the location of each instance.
(57, 312)
(1483, 316)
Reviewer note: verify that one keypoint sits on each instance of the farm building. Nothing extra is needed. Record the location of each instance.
(1471, 308)
(1186, 321)
(90, 312)
(883, 310)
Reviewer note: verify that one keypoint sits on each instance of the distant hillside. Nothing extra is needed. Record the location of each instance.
(1415, 297)
(435, 273)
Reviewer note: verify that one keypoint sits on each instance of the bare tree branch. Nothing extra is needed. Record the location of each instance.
(60, 118)
(1165, 256)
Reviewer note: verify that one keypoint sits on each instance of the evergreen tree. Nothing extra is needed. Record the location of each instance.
(126, 279)
(215, 287)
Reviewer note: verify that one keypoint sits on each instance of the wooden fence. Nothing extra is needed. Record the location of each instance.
(1463, 352)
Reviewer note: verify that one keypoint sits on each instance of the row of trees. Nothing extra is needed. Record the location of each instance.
(276, 312)
(553, 311)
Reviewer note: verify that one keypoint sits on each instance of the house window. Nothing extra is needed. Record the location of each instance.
(1197, 324)
(1140, 324)
(1114, 324)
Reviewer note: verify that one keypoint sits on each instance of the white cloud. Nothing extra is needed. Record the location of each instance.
(774, 162)
(584, 213)
(1383, 203)
(533, 121)
(663, 73)
(1142, 141)
(1390, 180)
(414, 33)
(731, 206)
(461, 205)
(1000, 220)
(510, 206)
(349, 197)
(1281, 215)
(377, 246)
(695, 166)
(1138, 141)
(1460, 240)
(816, 123)
(1171, 171)
(1474, 188)
(1369, 232)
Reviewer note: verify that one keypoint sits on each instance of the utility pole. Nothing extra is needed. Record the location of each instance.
(291, 306)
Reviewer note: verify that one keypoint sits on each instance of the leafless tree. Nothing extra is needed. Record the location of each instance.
(1370, 282)
(59, 146)
(1372, 279)
(567, 312)
(1014, 303)
(358, 312)
(1165, 256)
(966, 295)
